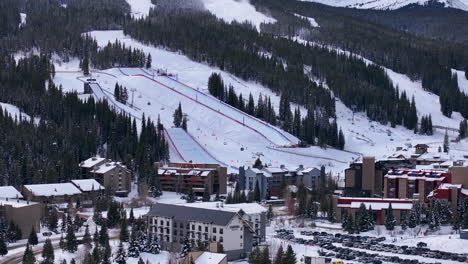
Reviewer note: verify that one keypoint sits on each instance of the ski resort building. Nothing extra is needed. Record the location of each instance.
(114, 176)
(413, 184)
(90, 189)
(252, 213)
(176, 224)
(379, 207)
(181, 177)
(52, 193)
(272, 179)
(365, 178)
(24, 214)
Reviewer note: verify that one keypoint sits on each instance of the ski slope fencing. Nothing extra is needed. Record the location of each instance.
(270, 133)
(188, 148)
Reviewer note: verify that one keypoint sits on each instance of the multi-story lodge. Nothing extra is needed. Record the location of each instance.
(24, 214)
(253, 213)
(113, 175)
(272, 179)
(175, 224)
(180, 177)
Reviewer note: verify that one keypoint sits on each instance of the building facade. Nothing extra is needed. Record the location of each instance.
(53, 193)
(114, 176)
(271, 180)
(24, 214)
(181, 177)
(176, 224)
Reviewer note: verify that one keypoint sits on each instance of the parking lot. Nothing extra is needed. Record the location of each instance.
(366, 249)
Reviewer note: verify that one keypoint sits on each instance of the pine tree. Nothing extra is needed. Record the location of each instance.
(266, 256)
(331, 214)
(131, 218)
(62, 242)
(117, 92)
(140, 261)
(258, 164)
(389, 218)
(290, 256)
(279, 256)
(446, 143)
(466, 71)
(134, 247)
(85, 65)
(87, 239)
(184, 123)
(190, 195)
(113, 214)
(186, 248)
(155, 248)
(206, 196)
(3, 246)
(124, 229)
(52, 220)
(270, 214)
(148, 61)
(463, 129)
(48, 251)
(28, 256)
(71, 244)
(103, 235)
(32, 240)
(178, 116)
(255, 256)
(121, 255)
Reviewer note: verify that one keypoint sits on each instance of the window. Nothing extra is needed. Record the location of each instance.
(181, 225)
(199, 228)
(214, 238)
(161, 222)
(241, 236)
(220, 239)
(206, 229)
(167, 223)
(214, 230)
(175, 232)
(220, 230)
(193, 227)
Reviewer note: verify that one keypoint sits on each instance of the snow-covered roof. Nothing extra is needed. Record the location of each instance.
(87, 185)
(248, 208)
(274, 170)
(255, 170)
(9, 192)
(378, 205)
(210, 258)
(15, 202)
(54, 189)
(91, 162)
(105, 168)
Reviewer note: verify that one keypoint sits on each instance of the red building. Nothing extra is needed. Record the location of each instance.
(413, 184)
(377, 205)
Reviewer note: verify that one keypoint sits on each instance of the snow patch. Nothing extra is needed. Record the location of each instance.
(237, 10)
(140, 8)
(310, 19)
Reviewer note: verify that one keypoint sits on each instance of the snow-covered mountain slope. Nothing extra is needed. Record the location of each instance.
(236, 145)
(14, 112)
(237, 10)
(140, 8)
(388, 4)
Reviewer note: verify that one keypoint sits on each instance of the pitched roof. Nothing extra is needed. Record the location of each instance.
(9, 192)
(184, 213)
(54, 189)
(87, 185)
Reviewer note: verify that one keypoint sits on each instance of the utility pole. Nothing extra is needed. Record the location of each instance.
(133, 93)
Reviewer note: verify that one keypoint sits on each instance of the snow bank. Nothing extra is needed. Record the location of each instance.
(14, 112)
(388, 4)
(311, 20)
(237, 10)
(140, 8)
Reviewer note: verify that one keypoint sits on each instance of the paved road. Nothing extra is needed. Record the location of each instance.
(17, 258)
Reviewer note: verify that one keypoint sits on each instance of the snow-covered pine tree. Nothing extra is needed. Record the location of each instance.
(134, 246)
(390, 221)
(121, 255)
(32, 240)
(155, 247)
(186, 248)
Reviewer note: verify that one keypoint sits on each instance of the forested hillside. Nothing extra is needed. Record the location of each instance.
(70, 129)
(423, 59)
